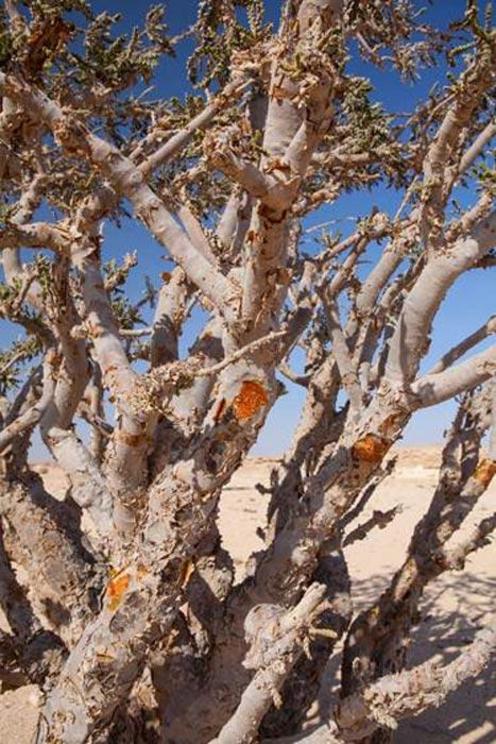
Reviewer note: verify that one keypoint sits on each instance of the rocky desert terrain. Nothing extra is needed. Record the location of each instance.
(453, 609)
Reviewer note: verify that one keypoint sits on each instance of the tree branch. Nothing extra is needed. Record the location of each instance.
(408, 343)
(485, 330)
(435, 388)
(128, 181)
(173, 145)
(410, 692)
(275, 648)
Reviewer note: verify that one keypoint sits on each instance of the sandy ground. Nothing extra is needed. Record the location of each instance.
(453, 609)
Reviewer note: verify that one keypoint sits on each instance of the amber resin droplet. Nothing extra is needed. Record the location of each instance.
(251, 398)
(116, 590)
(371, 448)
(485, 471)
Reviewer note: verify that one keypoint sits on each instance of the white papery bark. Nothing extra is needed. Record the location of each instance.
(441, 271)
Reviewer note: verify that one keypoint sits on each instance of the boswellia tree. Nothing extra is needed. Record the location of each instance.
(121, 594)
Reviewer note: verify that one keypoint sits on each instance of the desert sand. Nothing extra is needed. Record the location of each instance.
(453, 608)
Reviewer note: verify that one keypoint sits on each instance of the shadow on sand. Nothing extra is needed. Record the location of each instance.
(453, 610)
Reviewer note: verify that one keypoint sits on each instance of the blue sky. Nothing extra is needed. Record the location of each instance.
(467, 305)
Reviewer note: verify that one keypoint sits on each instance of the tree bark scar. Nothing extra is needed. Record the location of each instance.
(485, 471)
(371, 448)
(251, 398)
(116, 590)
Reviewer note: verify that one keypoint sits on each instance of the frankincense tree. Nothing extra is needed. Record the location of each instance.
(125, 611)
